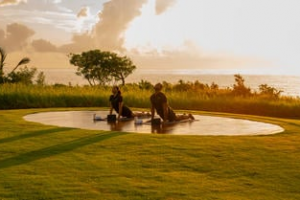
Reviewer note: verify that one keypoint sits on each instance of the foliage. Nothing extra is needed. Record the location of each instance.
(41, 79)
(269, 91)
(24, 75)
(2, 63)
(13, 96)
(239, 87)
(101, 67)
(182, 86)
(145, 85)
(23, 61)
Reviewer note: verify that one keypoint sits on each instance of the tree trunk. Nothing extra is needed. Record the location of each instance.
(123, 79)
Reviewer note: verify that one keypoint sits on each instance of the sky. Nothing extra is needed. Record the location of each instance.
(251, 36)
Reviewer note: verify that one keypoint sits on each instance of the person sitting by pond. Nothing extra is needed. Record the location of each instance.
(116, 103)
(159, 103)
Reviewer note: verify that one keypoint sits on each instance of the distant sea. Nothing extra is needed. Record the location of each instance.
(290, 85)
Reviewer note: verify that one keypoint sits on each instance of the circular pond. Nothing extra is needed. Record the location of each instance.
(202, 125)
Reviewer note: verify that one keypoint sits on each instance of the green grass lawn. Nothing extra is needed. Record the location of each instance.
(48, 162)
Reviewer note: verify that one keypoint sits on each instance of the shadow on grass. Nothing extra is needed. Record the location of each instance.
(34, 134)
(56, 149)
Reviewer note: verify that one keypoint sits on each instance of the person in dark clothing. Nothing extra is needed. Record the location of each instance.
(159, 103)
(116, 103)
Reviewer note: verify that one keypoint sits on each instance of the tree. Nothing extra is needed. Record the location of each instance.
(23, 61)
(269, 91)
(12, 76)
(101, 67)
(145, 85)
(2, 63)
(122, 68)
(88, 65)
(24, 75)
(239, 88)
(41, 79)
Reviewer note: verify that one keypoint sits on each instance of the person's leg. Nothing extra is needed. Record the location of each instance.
(142, 114)
(184, 116)
(171, 115)
(126, 112)
(191, 116)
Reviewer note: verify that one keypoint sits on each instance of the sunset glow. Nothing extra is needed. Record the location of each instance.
(249, 35)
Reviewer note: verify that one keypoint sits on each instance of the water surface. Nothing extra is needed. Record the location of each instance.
(202, 125)
(290, 85)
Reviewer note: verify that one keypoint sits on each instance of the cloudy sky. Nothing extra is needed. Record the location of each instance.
(257, 36)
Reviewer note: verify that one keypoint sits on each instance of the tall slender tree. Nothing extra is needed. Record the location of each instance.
(23, 61)
(4, 78)
(2, 63)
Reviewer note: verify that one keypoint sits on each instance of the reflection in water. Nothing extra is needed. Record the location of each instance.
(170, 127)
(119, 125)
(124, 125)
(203, 125)
(157, 129)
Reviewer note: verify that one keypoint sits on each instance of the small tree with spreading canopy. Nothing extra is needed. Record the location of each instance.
(102, 67)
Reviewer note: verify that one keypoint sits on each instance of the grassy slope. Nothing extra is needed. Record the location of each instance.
(47, 162)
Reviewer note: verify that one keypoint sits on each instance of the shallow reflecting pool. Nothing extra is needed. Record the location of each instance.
(202, 125)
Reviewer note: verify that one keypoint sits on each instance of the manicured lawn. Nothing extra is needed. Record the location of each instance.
(48, 162)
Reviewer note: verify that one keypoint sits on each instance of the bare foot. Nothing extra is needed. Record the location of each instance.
(191, 117)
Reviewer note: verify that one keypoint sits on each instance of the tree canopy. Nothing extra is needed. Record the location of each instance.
(102, 67)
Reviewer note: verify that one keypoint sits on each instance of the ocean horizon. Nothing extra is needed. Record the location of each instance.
(289, 84)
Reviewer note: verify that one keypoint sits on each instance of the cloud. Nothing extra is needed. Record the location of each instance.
(188, 56)
(113, 22)
(107, 33)
(162, 5)
(43, 46)
(11, 2)
(17, 36)
(80, 42)
(42, 13)
(83, 12)
(57, 1)
(180, 59)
